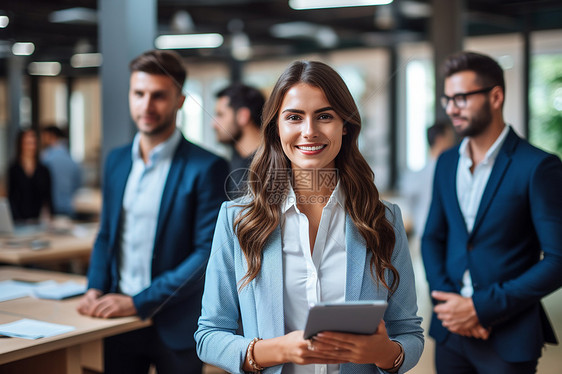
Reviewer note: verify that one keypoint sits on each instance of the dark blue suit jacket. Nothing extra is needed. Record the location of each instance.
(519, 218)
(191, 199)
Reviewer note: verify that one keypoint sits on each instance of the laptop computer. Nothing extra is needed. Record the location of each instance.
(9, 229)
(6, 222)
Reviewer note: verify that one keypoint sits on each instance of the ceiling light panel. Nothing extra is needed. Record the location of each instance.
(320, 4)
(23, 49)
(4, 21)
(86, 60)
(74, 16)
(49, 68)
(188, 41)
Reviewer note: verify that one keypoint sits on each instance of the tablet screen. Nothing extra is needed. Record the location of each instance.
(361, 317)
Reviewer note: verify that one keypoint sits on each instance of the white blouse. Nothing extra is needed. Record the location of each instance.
(312, 278)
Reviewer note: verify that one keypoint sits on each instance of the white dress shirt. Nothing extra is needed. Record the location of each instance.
(470, 188)
(315, 277)
(141, 205)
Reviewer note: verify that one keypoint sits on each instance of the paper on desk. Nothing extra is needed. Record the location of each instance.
(33, 329)
(13, 289)
(85, 230)
(59, 291)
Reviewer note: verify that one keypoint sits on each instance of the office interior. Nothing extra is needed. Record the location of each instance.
(65, 62)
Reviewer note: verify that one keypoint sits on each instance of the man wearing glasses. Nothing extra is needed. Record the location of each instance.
(492, 246)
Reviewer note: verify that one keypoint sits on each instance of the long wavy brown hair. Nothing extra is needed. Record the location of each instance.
(270, 170)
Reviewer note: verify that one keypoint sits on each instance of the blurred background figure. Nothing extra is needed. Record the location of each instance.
(237, 123)
(417, 186)
(29, 181)
(66, 174)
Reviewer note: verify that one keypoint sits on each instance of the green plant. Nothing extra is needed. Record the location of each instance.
(546, 103)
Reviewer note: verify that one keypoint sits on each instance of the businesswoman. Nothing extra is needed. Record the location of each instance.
(311, 229)
(29, 181)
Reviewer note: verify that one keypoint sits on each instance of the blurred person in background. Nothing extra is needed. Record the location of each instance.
(66, 174)
(237, 123)
(417, 186)
(29, 181)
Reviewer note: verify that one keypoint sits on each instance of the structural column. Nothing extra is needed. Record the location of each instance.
(447, 34)
(126, 29)
(16, 67)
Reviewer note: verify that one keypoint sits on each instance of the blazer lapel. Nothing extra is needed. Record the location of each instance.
(498, 171)
(119, 178)
(450, 192)
(356, 254)
(174, 176)
(269, 289)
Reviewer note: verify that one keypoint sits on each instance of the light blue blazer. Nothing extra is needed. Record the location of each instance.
(259, 305)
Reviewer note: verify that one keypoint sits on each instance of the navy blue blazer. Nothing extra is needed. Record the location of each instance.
(519, 218)
(190, 204)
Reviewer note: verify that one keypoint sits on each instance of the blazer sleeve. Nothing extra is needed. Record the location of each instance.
(434, 240)
(402, 322)
(99, 273)
(77, 177)
(217, 341)
(179, 283)
(500, 301)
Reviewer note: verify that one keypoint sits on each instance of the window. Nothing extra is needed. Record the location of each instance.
(420, 86)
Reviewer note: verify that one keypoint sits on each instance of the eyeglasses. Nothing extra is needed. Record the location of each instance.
(460, 99)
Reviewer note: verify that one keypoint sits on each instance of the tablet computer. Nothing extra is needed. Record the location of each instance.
(361, 317)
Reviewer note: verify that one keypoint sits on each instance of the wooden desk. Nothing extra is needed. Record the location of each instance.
(65, 353)
(60, 247)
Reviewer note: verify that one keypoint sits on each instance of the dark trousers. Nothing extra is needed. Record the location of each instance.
(133, 352)
(460, 355)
